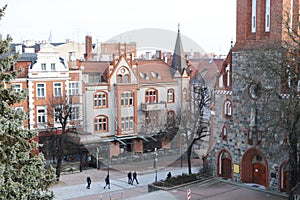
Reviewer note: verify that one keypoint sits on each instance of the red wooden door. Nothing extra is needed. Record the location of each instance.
(226, 168)
(285, 181)
(259, 174)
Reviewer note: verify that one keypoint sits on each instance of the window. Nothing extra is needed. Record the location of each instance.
(227, 108)
(43, 66)
(228, 75)
(224, 133)
(17, 87)
(170, 95)
(100, 99)
(40, 90)
(75, 114)
(119, 79)
(250, 137)
(267, 17)
(253, 22)
(171, 118)
(57, 113)
(52, 66)
(57, 90)
(127, 123)
(101, 124)
(127, 99)
(126, 78)
(150, 96)
(184, 93)
(41, 115)
(73, 88)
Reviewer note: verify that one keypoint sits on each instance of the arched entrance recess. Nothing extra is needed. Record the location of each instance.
(284, 177)
(224, 164)
(254, 168)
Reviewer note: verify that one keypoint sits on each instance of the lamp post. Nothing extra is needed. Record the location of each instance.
(97, 156)
(154, 164)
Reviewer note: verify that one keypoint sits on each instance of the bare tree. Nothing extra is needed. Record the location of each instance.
(60, 113)
(194, 120)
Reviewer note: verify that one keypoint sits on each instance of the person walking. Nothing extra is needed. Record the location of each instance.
(135, 177)
(107, 182)
(169, 175)
(89, 181)
(129, 175)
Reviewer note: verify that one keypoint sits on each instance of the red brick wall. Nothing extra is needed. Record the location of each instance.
(244, 37)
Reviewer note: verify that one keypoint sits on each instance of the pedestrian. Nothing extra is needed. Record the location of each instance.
(107, 182)
(129, 175)
(169, 175)
(89, 181)
(135, 177)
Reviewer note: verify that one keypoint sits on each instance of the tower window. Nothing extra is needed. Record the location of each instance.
(253, 22)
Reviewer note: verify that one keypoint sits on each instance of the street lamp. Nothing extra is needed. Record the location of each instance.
(154, 164)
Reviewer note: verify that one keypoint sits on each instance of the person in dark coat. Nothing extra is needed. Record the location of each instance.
(169, 175)
(89, 181)
(107, 182)
(135, 177)
(129, 175)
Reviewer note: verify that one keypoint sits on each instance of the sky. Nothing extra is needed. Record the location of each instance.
(210, 23)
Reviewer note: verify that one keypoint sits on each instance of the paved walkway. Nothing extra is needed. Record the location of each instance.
(73, 186)
(68, 189)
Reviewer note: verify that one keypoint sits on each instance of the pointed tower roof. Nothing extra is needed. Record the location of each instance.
(178, 61)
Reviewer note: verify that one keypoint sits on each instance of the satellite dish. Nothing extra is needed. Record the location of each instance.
(82, 67)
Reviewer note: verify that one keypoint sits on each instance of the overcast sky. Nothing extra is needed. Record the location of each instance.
(210, 23)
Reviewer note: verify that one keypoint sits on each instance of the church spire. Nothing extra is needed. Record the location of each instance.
(178, 61)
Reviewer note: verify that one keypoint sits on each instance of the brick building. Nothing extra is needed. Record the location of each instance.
(242, 150)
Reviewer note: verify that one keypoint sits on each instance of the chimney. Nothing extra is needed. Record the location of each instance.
(158, 54)
(88, 48)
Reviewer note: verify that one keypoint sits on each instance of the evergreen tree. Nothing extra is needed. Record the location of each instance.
(22, 172)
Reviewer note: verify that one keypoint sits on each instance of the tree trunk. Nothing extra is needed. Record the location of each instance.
(293, 175)
(59, 157)
(189, 154)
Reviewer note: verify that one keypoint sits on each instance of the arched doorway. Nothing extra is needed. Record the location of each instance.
(284, 177)
(254, 168)
(225, 165)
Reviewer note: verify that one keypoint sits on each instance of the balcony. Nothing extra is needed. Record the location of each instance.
(153, 106)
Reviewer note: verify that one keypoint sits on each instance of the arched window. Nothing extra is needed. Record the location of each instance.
(171, 95)
(224, 133)
(126, 78)
(100, 99)
(101, 124)
(151, 96)
(227, 108)
(119, 78)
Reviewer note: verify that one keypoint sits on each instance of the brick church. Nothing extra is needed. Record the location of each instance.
(242, 151)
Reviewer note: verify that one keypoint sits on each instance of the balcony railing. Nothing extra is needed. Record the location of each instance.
(153, 106)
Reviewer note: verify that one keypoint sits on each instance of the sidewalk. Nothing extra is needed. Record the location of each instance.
(69, 189)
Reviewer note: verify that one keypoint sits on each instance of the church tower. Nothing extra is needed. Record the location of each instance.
(242, 150)
(261, 21)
